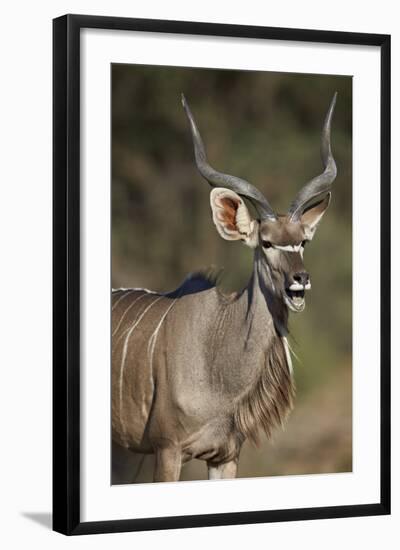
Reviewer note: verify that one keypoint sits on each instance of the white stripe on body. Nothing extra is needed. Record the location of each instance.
(126, 311)
(124, 352)
(124, 332)
(144, 290)
(153, 337)
(121, 298)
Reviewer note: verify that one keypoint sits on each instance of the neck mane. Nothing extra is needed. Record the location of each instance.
(268, 401)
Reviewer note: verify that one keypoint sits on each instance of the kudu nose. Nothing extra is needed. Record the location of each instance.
(302, 278)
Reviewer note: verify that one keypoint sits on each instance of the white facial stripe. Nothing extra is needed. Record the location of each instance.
(288, 247)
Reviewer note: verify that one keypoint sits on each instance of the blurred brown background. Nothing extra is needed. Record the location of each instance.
(264, 127)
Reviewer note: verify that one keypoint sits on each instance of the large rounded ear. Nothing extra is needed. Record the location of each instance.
(312, 216)
(232, 218)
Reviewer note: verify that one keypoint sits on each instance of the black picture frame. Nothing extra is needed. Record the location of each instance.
(66, 273)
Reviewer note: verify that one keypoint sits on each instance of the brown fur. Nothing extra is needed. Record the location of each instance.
(282, 232)
(267, 404)
(228, 214)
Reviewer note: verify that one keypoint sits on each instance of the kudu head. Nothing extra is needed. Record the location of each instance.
(279, 240)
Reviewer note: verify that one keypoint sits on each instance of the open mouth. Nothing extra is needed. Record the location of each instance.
(295, 299)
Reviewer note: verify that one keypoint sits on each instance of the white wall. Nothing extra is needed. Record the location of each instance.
(25, 237)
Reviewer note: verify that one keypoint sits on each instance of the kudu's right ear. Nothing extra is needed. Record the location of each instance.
(232, 218)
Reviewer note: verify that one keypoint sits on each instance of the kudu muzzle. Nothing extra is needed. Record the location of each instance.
(297, 281)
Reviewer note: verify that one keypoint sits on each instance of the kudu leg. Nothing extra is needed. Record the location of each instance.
(168, 464)
(228, 470)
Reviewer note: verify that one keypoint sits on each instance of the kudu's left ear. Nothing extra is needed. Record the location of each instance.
(313, 215)
(232, 218)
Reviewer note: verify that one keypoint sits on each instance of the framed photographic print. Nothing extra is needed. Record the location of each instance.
(221, 274)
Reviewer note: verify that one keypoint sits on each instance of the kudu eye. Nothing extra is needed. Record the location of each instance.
(266, 244)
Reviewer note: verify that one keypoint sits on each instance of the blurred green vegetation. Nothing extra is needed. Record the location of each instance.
(264, 127)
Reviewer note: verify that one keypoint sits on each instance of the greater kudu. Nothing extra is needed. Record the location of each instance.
(195, 372)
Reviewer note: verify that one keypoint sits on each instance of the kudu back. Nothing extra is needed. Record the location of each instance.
(195, 372)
